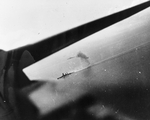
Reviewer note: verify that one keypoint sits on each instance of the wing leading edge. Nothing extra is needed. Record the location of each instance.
(57, 42)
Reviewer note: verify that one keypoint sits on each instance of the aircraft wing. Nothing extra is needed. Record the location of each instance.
(55, 43)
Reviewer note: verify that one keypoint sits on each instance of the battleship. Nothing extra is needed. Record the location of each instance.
(64, 75)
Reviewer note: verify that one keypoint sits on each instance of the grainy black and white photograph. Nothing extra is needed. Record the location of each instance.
(75, 60)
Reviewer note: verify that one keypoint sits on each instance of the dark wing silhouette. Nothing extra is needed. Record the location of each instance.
(53, 44)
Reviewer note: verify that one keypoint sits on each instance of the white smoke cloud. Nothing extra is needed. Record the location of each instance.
(84, 60)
